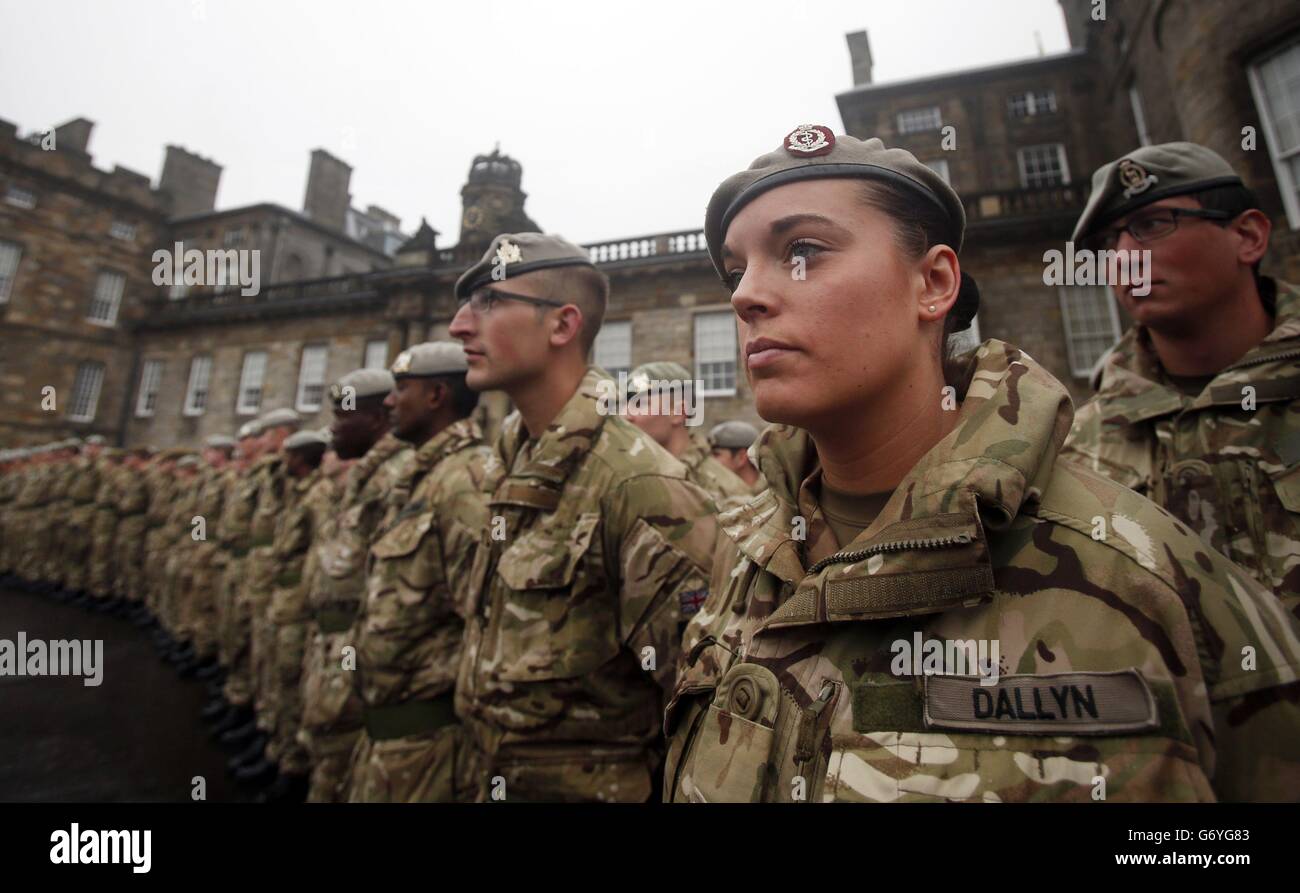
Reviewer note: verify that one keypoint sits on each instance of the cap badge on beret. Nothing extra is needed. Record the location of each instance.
(1134, 178)
(809, 140)
(402, 364)
(508, 253)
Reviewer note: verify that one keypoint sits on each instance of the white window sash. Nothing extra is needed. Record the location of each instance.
(85, 392)
(1280, 157)
(311, 376)
(200, 377)
(709, 353)
(376, 356)
(1139, 115)
(11, 255)
(1073, 348)
(614, 347)
(150, 380)
(108, 304)
(254, 368)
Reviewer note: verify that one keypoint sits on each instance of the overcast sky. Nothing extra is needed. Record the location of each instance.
(625, 116)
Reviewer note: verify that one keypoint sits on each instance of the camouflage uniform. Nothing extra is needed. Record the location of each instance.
(132, 502)
(260, 570)
(81, 520)
(605, 549)
(198, 609)
(176, 554)
(331, 710)
(236, 540)
(312, 498)
(58, 511)
(411, 624)
(159, 538)
(1230, 473)
(1121, 658)
(31, 522)
(711, 476)
(103, 560)
(10, 484)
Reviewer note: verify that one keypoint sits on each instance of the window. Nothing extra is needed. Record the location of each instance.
(150, 381)
(961, 342)
(196, 392)
(376, 355)
(85, 392)
(122, 230)
(311, 378)
(940, 167)
(9, 256)
(1139, 116)
(107, 298)
(20, 197)
(1042, 166)
(233, 237)
(1275, 81)
(1091, 325)
(1035, 102)
(250, 383)
(917, 120)
(715, 353)
(613, 351)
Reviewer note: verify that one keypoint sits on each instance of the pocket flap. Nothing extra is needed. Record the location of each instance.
(547, 558)
(1287, 485)
(404, 537)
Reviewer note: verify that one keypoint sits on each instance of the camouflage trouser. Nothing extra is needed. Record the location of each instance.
(178, 582)
(283, 676)
(154, 569)
(198, 603)
(77, 546)
(566, 773)
(103, 561)
(58, 515)
(131, 554)
(259, 583)
(235, 633)
(331, 713)
(421, 768)
(35, 527)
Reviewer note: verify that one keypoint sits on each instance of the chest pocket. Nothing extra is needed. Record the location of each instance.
(555, 617)
(413, 555)
(733, 756)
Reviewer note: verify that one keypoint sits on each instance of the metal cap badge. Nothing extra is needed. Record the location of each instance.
(809, 141)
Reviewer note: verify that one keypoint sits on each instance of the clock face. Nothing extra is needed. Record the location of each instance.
(473, 218)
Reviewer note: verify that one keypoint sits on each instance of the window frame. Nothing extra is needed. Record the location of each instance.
(365, 354)
(1116, 326)
(144, 407)
(1287, 181)
(1061, 158)
(241, 407)
(26, 205)
(7, 282)
(610, 326)
(916, 112)
(188, 407)
(98, 368)
(116, 305)
(697, 360)
(299, 403)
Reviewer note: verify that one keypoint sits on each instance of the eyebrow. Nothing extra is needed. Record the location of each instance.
(785, 224)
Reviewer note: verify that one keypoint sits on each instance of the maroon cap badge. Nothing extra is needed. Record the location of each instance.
(809, 140)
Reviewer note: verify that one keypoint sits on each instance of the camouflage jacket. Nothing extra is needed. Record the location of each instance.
(309, 500)
(596, 551)
(411, 624)
(711, 476)
(1131, 662)
(1225, 463)
(82, 491)
(35, 488)
(271, 478)
(337, 575)
(131, 491)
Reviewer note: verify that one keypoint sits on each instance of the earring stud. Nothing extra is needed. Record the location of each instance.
(932, 308)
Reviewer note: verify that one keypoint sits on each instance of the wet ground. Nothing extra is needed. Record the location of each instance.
(135, 737)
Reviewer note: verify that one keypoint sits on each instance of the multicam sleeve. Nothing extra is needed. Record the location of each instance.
(663, 530)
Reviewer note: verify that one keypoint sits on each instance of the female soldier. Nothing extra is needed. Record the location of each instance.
(925, 604)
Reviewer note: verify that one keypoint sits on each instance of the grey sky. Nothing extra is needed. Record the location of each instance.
(624, 116)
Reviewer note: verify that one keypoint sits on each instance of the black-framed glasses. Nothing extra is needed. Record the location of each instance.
(482, 300)
(1156, 225)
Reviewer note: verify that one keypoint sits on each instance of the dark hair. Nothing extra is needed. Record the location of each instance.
(1234, 200)
(920, 224)
(463, 400)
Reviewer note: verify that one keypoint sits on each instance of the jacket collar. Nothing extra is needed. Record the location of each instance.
(1010, 427)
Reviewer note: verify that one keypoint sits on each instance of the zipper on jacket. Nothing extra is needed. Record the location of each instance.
(895, 546)
(1283, 355)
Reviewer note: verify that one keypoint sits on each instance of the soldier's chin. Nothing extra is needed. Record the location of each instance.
(778, 401)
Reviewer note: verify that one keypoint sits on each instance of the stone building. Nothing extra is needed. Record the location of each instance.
(342, 288)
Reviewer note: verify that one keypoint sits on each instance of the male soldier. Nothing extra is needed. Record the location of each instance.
(103, 561)
(411, 624)
(238, 502)
(161, 482)
(309, 497)
(729, 442)
(658, 398)
(335, 576)
(132, 503)
(249, 630)
(175, 558)
(58, 511)
(30, 517)
(1199, 403)
(81, 518)
(11, 481)
(597, 550)
(199, 608)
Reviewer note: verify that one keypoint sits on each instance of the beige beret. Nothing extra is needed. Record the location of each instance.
(220, 442)
(733, 435)
(514, 254)
(187, 461)
(308, 437)
(639, 381)
(1148, 175)
(364, 383)
(278, 418)
(430, 358)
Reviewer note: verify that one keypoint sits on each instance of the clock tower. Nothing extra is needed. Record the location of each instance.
(492, 202)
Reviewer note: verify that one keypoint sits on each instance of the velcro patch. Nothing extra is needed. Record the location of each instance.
(692, 599)
(1052, 704)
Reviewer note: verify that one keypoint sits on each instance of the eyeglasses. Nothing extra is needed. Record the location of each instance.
(484, 299)
(1150, 227)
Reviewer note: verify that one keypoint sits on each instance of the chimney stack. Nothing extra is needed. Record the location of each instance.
(75, 135)
(191, 182)
(328, 200)
(860, 57)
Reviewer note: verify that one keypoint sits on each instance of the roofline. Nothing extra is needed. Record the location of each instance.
(297, 217)
(1070, 55)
